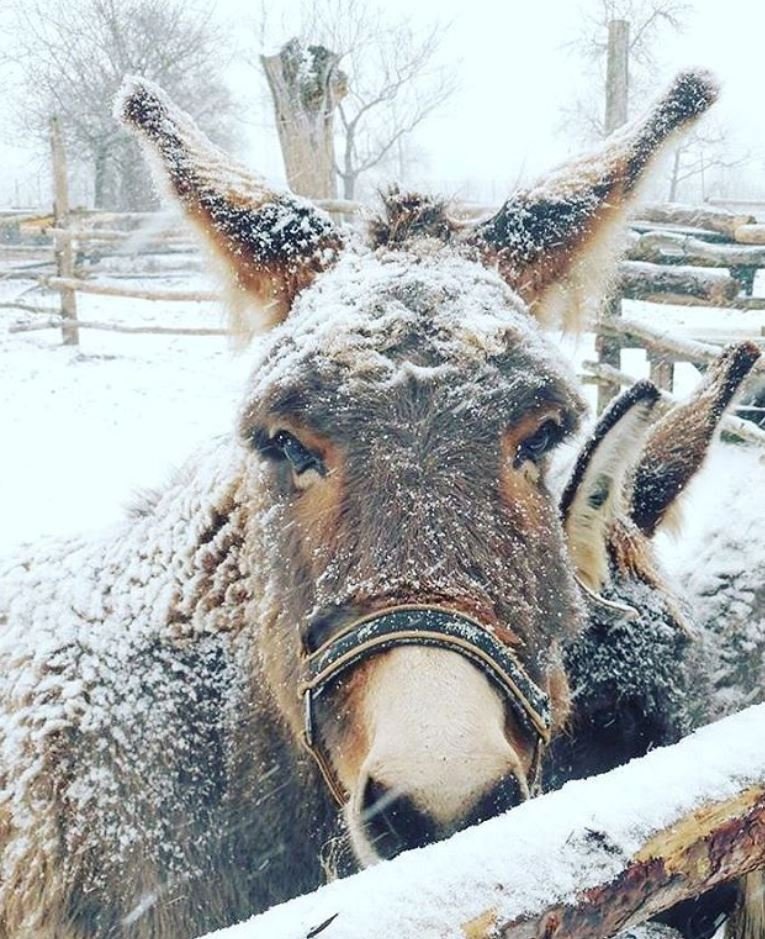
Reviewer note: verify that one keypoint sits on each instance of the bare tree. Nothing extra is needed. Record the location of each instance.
(699, 158)
(71, 57)
(393, 82)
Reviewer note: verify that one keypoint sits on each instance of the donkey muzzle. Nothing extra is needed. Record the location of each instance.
(432, 626)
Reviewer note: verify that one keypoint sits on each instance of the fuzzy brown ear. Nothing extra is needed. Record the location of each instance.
(272, 244)
(556, 244)
(678, 443)
(593, 496)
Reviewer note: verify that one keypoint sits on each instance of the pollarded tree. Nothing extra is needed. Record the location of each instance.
(70, 58)
(388, 81)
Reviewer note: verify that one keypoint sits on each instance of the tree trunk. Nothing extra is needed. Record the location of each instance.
(306, 86)
(617, 75)
(100, 171)
(673, 183)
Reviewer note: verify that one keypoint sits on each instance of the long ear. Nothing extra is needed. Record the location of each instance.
(556, 243)
(271, 244)
(593, 496)
(678, 443)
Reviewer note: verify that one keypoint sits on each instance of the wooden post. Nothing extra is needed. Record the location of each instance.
(608, 348)
(617, 74)
(64, 247)
(662, 371)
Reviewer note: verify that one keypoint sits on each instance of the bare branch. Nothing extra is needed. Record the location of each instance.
(71, 59)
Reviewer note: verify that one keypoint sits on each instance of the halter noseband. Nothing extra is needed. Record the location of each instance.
(422, 626)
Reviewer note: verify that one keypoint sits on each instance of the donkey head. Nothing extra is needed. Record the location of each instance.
(629, 669)
(410, 575)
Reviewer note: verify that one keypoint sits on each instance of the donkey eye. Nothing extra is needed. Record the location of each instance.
(285, 446)
(540, 442)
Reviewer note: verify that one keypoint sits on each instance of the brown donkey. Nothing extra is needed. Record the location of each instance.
(360, 599)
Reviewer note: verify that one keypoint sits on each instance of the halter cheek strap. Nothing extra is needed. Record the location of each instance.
(423, 626)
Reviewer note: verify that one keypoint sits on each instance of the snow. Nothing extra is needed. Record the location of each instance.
(544, 848)
(82, 430)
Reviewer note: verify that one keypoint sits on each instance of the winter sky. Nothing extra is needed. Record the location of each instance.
(515, 75)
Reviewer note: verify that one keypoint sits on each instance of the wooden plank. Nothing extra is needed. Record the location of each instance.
(113, 290)
(599, 856)
(122, 328)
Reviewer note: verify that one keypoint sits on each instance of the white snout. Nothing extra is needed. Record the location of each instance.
(437, 732)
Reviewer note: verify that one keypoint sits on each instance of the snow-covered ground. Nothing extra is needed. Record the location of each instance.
(82, 429)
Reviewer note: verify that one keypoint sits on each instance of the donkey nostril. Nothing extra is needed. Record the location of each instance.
(393, 822)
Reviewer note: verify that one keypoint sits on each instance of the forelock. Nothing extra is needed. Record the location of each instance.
(408, 216)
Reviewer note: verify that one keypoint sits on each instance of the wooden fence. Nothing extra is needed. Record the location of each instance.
(679, 255)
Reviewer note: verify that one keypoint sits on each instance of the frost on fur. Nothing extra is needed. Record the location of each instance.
(556, 243)
(271, 244)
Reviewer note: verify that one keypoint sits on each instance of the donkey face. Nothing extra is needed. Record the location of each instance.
(409, 569)
(399, 424)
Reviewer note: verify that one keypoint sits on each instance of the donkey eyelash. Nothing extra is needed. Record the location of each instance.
(547, 436)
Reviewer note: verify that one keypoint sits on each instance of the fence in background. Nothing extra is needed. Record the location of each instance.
(680, 255)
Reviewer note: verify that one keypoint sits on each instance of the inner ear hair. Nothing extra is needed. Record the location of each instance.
(678, 443)
(593, 496)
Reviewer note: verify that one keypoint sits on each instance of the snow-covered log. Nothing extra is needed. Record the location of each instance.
(665, 247)
(596, 857)
(750, 234)
(706, 216)
(640, 280)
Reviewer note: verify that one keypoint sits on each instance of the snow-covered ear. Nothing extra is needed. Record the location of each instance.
(272, 244)
(594, 494)
(678, 443)
(556, 244)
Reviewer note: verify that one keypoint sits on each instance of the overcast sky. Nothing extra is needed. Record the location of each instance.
(515, 75)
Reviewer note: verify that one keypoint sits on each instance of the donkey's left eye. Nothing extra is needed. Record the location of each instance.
(539, 443)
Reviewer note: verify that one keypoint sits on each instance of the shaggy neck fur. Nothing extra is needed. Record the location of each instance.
(138, 800)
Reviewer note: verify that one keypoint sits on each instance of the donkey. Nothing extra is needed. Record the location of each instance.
(636, 673)
(336, 635)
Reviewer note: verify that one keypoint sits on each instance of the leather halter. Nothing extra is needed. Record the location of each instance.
(422, 626)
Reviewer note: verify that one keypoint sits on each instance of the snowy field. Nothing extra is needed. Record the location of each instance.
(83, 429)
